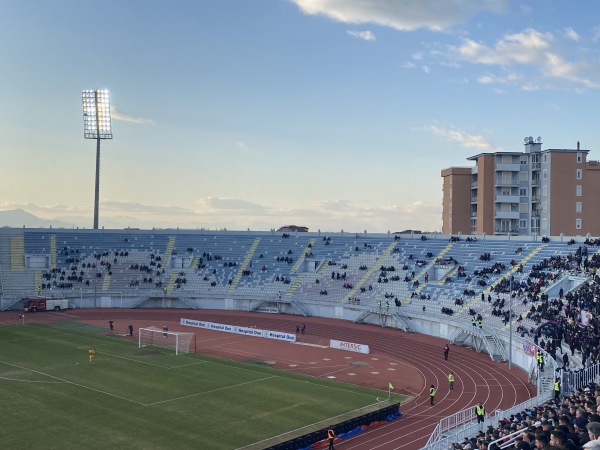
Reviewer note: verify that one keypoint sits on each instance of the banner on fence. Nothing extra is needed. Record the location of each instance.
(246, 331)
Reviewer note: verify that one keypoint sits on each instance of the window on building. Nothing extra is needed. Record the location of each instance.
(523, 207)
(522, 223)
(578, 207)
(579, 174)
(505, 191)
(544, 224)
(544, 206)
(544, 191)
(523, 160)
(545, 158)
(545, 174)
(578, 224)
(578, 190)
(523, 175)
(523, 192)
(505, 207)
(579, 157)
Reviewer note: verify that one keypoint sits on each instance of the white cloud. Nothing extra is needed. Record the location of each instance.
(409, 65)
(571, 34)
(364, 35)
(426, 69)
(124, 117)
(211, 204)
(405, 15)
(465, 139)
(557, 67)
(239, 214)
(532, 50)
(511, 78)
(528, 47)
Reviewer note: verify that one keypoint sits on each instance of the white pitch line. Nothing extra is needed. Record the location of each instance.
(74, 384)
(150, 364)
(186, 365)
(31, 381)
(134, 360)
(209, 392)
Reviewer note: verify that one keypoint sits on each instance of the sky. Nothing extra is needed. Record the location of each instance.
(254, 114)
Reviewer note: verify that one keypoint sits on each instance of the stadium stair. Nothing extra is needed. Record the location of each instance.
(106, 282)
(52, 252)
(300, 307)
(480, 340)
(295, 285)
(188, 301)
(141, 299)
(17, 253)
(299, 260)
(378, 263)
(404, 323)
(361, 318)
(166, 261)
(168, 251)
(244, 265)
(171, 283)
(38, 281)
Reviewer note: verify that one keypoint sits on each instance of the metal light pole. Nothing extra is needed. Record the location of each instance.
(510, 330)
(96, 125)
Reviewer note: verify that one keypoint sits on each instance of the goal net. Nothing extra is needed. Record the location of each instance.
(175, 340)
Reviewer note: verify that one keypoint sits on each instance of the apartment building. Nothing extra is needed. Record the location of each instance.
(535, 192)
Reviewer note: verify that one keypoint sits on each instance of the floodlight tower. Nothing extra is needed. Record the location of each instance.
(96, 125)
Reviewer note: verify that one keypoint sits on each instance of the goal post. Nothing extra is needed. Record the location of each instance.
(175, 340)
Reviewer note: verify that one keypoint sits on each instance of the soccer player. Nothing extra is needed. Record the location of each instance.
(91, 354)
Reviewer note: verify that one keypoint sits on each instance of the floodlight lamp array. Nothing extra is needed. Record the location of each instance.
(96, 114)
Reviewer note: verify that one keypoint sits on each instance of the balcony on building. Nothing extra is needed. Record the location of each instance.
(502, 167)
(507, 183)
(508, 199)
(506, 214)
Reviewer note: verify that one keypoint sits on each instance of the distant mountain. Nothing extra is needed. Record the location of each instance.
(17, 218)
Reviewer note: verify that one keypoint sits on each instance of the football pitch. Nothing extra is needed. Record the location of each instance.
(148, 398)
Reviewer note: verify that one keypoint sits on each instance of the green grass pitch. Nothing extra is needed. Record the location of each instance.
(148, 398)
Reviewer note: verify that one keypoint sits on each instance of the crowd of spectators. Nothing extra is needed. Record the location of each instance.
(569, 423)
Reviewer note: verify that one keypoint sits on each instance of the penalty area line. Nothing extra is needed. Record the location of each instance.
(74, 384)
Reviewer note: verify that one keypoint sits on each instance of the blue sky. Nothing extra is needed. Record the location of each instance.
(331, 114)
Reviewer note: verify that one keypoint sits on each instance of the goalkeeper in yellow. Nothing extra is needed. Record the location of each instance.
(91, 354)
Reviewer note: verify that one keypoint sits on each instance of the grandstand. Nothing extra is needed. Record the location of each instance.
(430, 283)
(349, 273)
